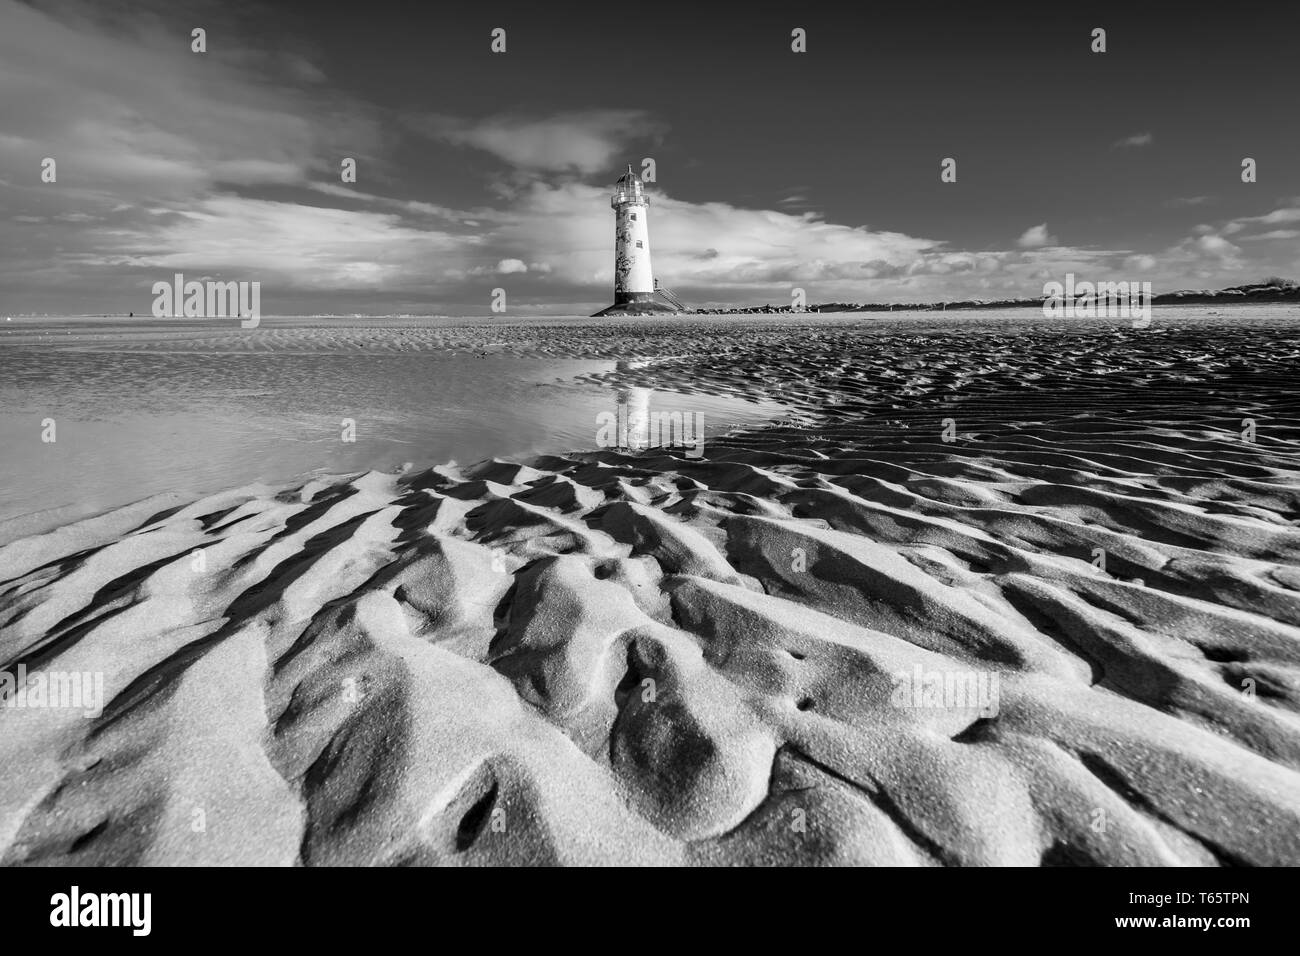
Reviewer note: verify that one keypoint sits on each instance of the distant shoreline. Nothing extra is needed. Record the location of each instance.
(1253, 294)
(1234, 295)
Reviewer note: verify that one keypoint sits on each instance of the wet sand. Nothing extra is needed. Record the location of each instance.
(748, 657)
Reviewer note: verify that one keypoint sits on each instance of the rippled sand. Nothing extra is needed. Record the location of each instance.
(610, 657)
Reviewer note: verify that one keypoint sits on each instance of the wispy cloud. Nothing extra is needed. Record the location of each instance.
(1138, 139)
(582, 142)
(1274, 218)
(1273, 235)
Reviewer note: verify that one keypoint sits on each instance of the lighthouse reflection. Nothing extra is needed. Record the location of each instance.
(636, 426)
(634, 411)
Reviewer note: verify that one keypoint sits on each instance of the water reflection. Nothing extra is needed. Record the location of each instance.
(132, 425)
(637, 425)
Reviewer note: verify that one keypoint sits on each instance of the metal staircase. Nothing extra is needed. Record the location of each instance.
(670, 297)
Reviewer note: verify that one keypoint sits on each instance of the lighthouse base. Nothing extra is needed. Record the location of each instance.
(638, 303)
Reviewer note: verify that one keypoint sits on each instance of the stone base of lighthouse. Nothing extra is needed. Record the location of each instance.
(637, 303)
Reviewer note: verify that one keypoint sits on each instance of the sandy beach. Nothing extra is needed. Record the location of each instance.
(993, 590)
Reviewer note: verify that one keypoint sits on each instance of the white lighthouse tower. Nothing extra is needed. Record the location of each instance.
(635, 288)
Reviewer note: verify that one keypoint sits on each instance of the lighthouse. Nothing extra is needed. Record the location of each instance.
(635, 290)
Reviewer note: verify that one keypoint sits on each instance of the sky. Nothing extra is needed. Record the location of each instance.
(774, 170)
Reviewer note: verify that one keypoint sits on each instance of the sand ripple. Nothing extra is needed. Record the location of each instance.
(605, 657)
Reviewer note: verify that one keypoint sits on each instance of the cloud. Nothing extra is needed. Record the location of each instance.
(1036, 236)
(583, 142)
(1243, 226)
(1138, 139)
(1216, 246)
(1273, 218)
(1207, 259)
(227, 166)
(286, 245)
(1274, 234)
(75, 91)
(1202, 260)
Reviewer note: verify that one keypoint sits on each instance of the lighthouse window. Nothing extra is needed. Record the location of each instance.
(638, 244)
(634, 217)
